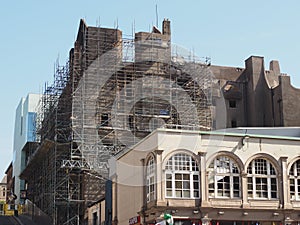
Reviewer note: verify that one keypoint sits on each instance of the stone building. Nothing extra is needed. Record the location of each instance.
(237, 176)
(114, 91)
(255, 96)
(3, 189)
(9, 182)
(95, 213)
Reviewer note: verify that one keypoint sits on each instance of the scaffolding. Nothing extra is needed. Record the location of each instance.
(112, 93)
(120, 99)
(53, 185)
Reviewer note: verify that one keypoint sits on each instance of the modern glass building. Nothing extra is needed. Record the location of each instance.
(24, 132)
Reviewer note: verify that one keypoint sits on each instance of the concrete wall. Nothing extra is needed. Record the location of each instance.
(289, 102)
(128, 185)
(263, 97)
(259, 108)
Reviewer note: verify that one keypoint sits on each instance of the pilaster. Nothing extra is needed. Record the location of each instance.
(203, 179)
(159, 176)
(284, 185)
(244, 188)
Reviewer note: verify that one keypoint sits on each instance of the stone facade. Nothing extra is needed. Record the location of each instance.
(95, 214)
(235, 176)
(254, 96)
(9, 181)
(3, 189)
(104, 104)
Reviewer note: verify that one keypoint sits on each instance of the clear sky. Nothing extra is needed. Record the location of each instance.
(35, 33)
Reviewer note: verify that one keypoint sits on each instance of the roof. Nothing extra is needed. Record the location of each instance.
(226, 72)
(4, 180)
(8, 168)
(285, 133)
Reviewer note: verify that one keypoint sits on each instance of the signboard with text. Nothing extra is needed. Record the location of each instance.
(135, 220)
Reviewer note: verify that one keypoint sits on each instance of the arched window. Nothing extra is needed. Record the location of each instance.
(182, 177)
(294, 176)
(224, 178)
(262, 179)
(150, 179)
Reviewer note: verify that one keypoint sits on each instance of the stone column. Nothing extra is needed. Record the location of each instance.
(203, 179)
(283, 184)
(114, 180)
(244, 189)
(159, 176)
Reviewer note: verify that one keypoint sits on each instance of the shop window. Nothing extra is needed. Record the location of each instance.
(151, 180)
(224, 178)
(262, 180)
(294, 176)
(182, 177)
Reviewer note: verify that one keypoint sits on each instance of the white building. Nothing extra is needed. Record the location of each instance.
(24, 132)
(237, 176)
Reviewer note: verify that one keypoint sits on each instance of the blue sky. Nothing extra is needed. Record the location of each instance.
(35, 33)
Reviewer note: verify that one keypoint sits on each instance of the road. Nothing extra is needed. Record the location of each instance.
(8, 220)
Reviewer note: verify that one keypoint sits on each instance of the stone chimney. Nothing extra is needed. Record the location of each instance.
(274, 66)
(166, 27)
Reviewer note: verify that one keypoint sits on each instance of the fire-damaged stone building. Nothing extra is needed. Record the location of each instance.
(114, 92)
